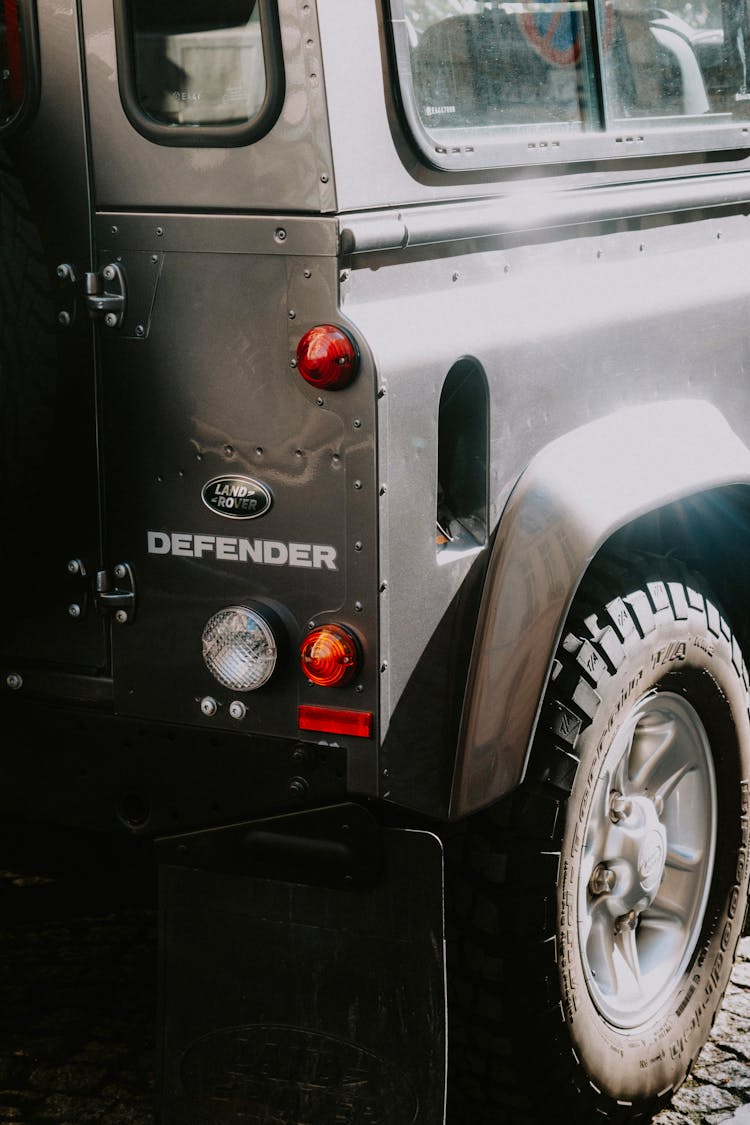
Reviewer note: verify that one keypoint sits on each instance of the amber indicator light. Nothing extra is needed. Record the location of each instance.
(329, 656)
(327, 357)
(332, 720)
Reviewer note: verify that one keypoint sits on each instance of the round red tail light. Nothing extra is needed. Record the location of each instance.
(329, 656)
(327, 357)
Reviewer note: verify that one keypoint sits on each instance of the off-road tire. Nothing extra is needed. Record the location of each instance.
(534, 1034)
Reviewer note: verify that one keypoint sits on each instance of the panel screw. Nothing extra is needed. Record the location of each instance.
(14, 681)
(140, 330)
(63, 319)
(298, 788)
(108, 273)
(121, 617)
(110, 320)
(208, 706)
(120, 571)
(74, 610)
(74, 567)
(237, 709)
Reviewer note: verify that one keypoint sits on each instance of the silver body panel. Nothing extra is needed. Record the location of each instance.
(572, 293)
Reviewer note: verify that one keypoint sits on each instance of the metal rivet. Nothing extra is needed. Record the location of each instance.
(357, 423)
(237, 709)
(383, 587)
(383, 489)
(280, 234)
(293, 361)
(160, 231)
(359, 688)
(320, 401)
(110, 320)
(140, 330)
(358, 607)
(292, 314)
(384, 666)
(74, 566)
(208, 706)
(64, 319)
(358, 546)
(358, 485)
(307, 274)
(121, 617)
(120, 571)
(154, 259)
(114, 230)
(74, 610)
(324, 177)
(14, 681)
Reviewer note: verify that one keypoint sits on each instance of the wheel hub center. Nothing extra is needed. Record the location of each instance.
(642, 846)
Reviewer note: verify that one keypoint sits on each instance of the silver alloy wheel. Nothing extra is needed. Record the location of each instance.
(648, 857)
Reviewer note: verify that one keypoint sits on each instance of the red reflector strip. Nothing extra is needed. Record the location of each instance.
(13, 47)
(331, 720)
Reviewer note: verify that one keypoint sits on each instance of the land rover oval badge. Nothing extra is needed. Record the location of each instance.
(237, 498)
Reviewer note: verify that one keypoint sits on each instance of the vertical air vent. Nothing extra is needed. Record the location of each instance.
(463, 423)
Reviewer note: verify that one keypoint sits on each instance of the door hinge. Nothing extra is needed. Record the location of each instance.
(114, 593)
(105, 294)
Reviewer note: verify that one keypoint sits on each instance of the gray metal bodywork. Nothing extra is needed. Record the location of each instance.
(571, 293)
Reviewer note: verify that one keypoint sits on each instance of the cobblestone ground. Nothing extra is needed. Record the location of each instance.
(77, 997)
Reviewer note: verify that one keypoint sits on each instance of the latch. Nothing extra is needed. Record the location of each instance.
(114, 595)
(105, 294)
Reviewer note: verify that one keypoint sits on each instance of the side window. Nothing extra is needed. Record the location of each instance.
(487, 82)
(19, 64)
(200, 71)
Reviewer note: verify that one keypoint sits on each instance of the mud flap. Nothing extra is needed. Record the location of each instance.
(302, 974)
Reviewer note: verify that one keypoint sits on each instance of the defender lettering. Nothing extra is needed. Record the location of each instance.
(266, 552)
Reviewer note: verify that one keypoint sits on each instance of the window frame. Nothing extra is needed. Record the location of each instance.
(31, 72)
(209, 136)
(495, 147)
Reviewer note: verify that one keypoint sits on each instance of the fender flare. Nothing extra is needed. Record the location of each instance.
(574, 494)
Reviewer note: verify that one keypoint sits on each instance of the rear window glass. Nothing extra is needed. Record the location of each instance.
(548, 75)
(207, 68)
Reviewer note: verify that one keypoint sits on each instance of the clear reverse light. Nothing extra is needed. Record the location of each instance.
(239, 648)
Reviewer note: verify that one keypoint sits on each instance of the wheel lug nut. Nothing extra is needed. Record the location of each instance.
(620, 808)
(602, 880)
(626, 922)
